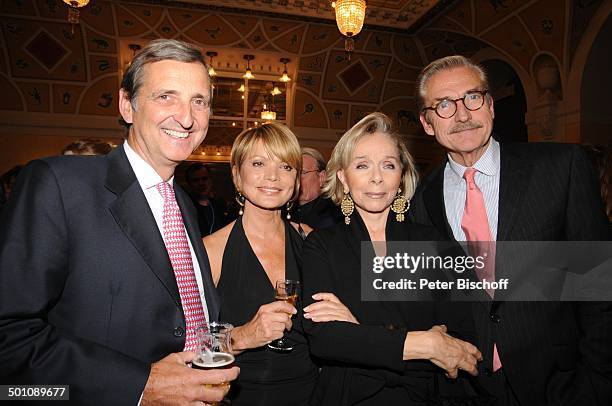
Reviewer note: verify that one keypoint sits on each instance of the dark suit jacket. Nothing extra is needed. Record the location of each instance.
(362, 363)
(552, 353)
(88, 296)
(319, 213)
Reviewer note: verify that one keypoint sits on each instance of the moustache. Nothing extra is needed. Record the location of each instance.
(470, 125)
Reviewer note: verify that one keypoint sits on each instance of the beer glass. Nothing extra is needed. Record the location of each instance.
(286, 291)
(214, 348)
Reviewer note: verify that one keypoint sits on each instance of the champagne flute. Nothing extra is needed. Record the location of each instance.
(214, 349)
(286, 291)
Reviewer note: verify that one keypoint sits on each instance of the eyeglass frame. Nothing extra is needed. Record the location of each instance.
(483, 93)
(302, 173)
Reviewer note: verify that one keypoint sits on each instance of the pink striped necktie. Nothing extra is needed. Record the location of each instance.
(177, 246)
(475, 225)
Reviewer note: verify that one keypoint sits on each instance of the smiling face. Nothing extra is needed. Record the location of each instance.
(171, 115)
(465, 135)
(374, 173)
(264, 180)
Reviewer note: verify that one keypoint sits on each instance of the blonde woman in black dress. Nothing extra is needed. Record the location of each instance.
(248, 256)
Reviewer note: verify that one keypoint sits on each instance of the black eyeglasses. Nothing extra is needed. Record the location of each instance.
(447, 108)
(303, 173)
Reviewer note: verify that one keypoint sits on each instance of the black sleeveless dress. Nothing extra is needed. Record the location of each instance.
(266, 377)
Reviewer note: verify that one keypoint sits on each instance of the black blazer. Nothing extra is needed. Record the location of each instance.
(363, 362)
(552, 353)
(88, 296)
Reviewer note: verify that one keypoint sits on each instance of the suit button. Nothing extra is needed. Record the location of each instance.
(495, 317)
(488, 371)
(179, 332)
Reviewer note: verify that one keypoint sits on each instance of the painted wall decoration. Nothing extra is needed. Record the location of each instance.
(47, 69)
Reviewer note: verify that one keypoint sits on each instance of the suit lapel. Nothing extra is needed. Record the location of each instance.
(133, 215)
(515, 174)
(190, 220)
(433, 197)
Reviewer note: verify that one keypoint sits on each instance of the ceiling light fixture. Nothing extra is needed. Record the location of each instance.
(211, 69)
(248, 74)
(275, 90)
(285, 77)
(350, 15)
(267, 114)
(73, 11)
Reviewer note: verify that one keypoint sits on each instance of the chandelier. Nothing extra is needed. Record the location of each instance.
(267, 114)
(73, 11)
(350, 15)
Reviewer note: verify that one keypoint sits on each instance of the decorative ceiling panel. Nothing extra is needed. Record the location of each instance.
(386, 13)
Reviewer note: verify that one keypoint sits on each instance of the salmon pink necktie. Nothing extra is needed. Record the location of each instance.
(177, 246)
(475, 225)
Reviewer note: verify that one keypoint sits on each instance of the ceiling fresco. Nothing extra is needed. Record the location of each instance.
(45, 68)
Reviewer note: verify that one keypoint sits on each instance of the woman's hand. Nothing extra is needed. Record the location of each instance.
(445, 351)
(328, 308)
(268, 324)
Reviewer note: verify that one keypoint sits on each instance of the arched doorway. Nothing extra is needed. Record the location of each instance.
(596, 120)
(510, 101)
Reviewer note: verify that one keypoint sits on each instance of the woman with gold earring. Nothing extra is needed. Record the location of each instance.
(249, 256)
(375, 353)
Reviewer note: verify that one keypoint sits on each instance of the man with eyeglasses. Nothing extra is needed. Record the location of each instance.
(535, 353)
(314, 209)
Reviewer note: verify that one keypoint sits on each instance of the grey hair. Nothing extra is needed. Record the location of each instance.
(343, 152)
(444, 64)
(155, 51)
(316, 155)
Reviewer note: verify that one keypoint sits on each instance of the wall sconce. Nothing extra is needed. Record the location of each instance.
(248, 74)
(211, 69)
(285, 77)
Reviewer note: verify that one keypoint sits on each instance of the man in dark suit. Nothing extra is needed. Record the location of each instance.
(89, 296)
(314, 209)
(535, 353)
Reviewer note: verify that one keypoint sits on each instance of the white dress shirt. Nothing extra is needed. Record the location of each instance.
(487, 180)
(148, 178)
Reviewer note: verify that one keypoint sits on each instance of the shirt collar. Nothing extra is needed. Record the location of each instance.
(488, 164)
(146, 175)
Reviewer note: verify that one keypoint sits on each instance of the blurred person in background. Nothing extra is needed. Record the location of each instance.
(314, 209)
(212, 213)
(88, 147)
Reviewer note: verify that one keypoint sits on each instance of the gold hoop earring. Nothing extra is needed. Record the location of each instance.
(400, 206)
(240, 200)
(347, 206)
(288, 208)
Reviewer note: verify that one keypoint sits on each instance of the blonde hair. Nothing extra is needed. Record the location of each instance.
(277, 140)
(343, 153)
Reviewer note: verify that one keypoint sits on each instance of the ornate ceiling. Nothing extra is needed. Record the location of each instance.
(400, 14)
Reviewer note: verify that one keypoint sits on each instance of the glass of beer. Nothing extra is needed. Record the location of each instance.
(214, 348)
(286, 291)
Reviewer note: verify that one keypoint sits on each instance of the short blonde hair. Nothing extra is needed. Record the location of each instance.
(343, 152)
(277, 140)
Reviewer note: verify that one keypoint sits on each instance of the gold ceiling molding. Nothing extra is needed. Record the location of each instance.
(399, 14)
